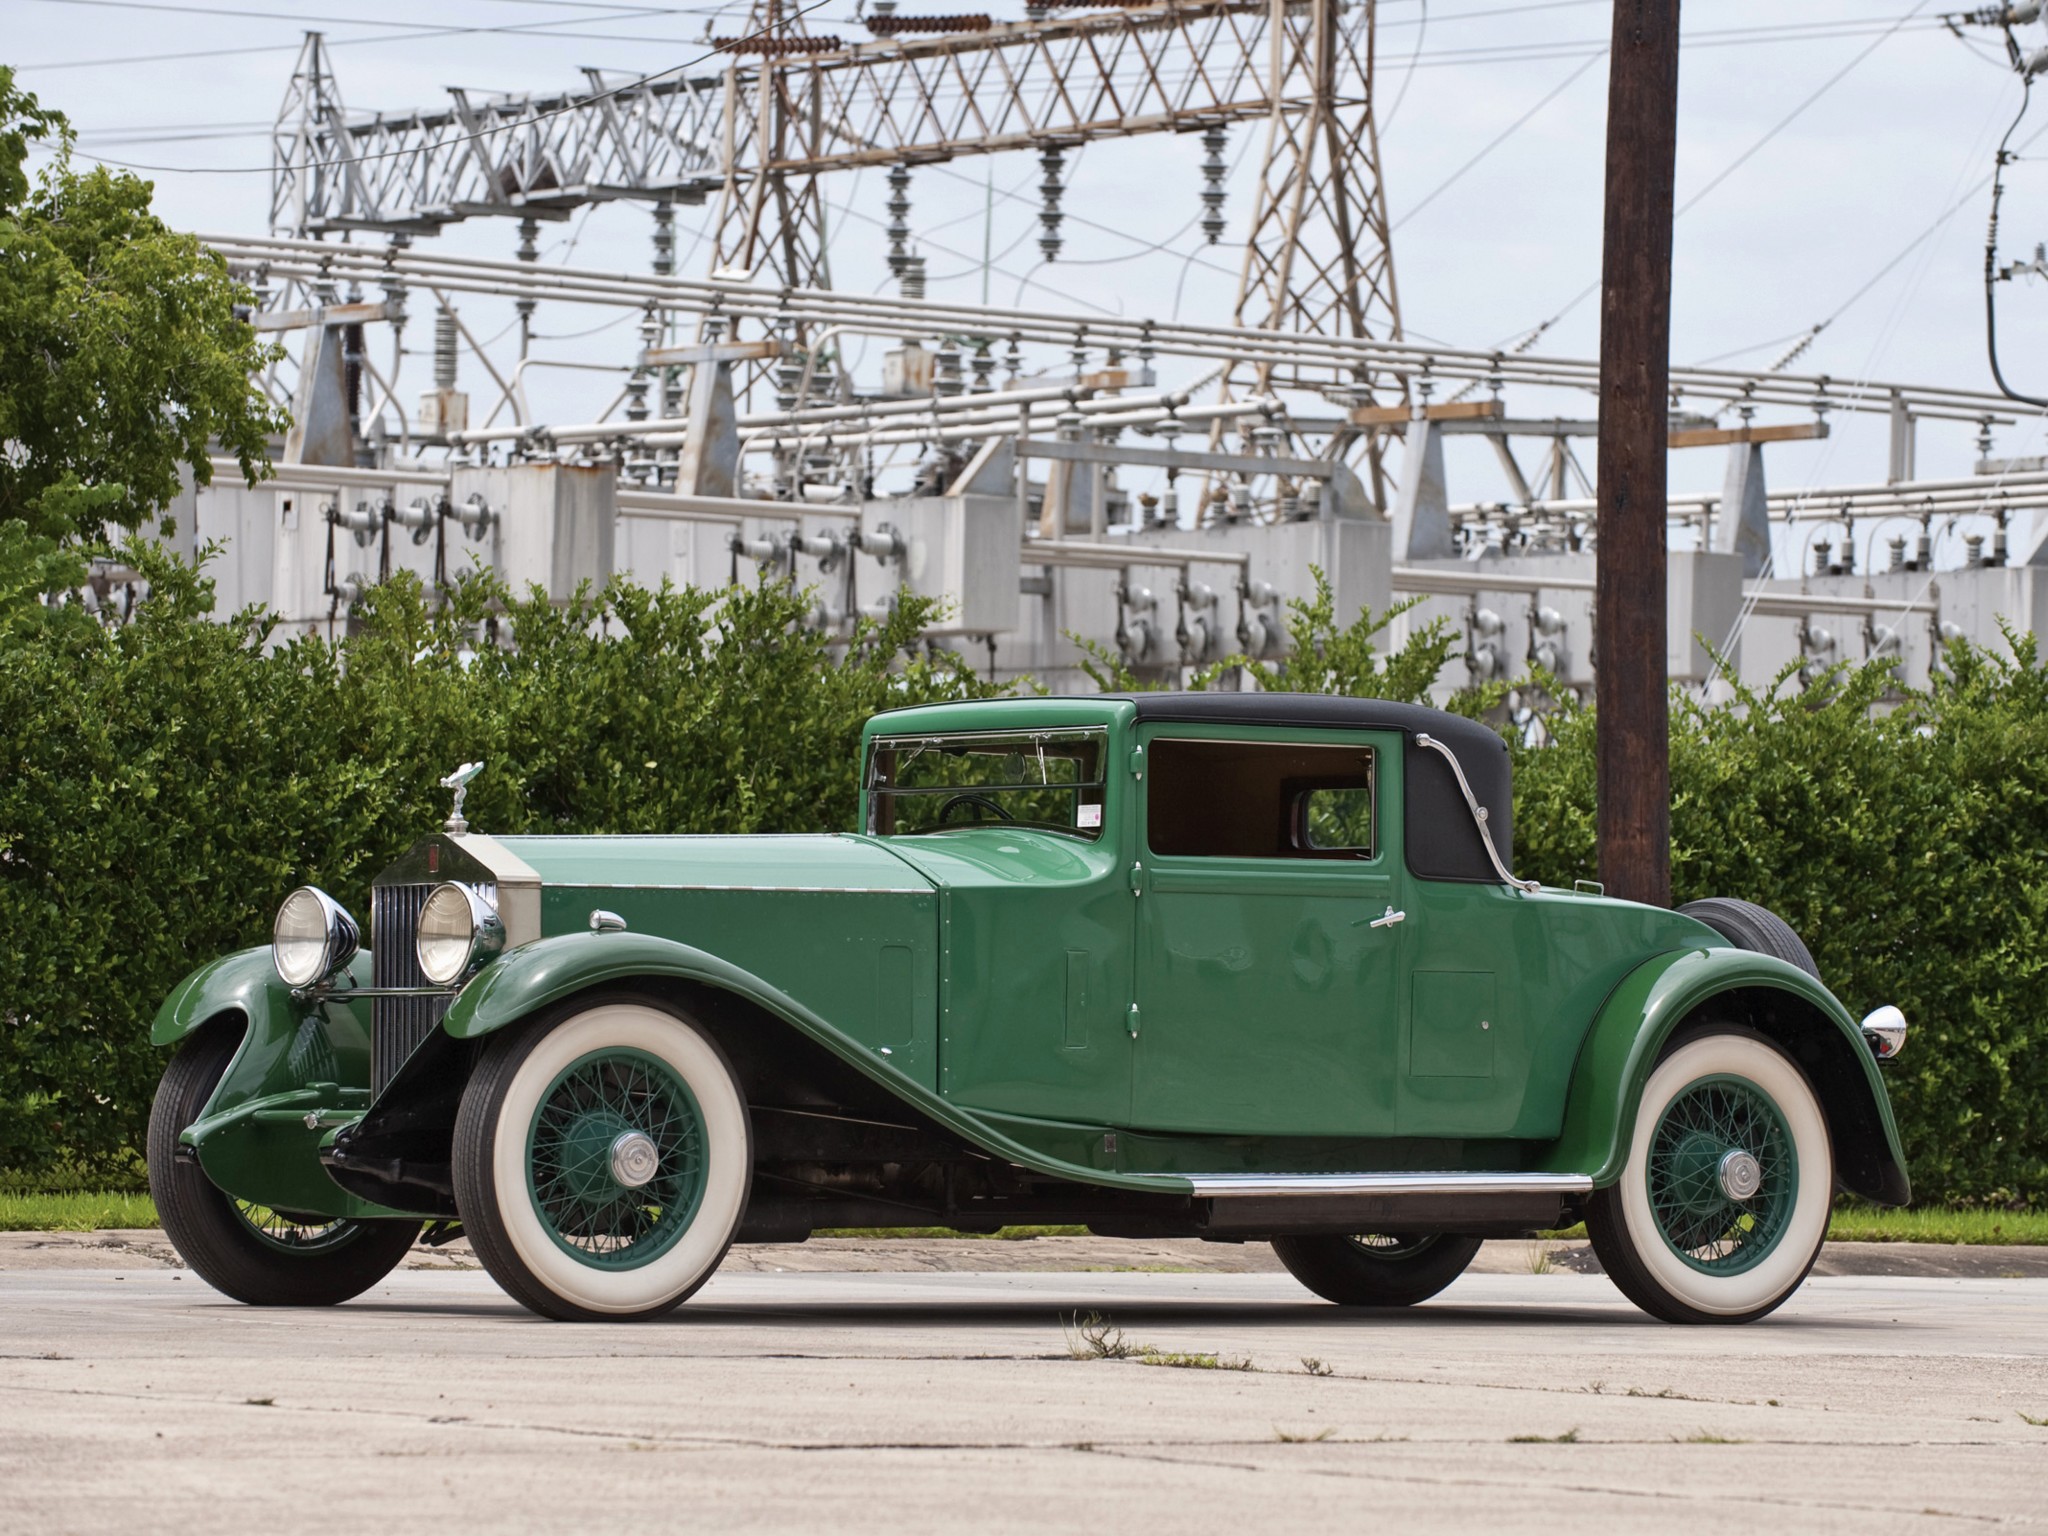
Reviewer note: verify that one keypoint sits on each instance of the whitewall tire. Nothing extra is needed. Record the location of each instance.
(603, 1160)
(1723, 1204)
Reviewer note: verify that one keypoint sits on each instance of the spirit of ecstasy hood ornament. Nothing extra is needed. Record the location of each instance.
(458, 781)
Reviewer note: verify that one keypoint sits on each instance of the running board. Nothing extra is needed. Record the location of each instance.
(1238, 1185)
(1475, 1204)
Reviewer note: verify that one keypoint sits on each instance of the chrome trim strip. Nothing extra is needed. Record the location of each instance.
(809, 890)
(1224, 1185)
(1527, 887)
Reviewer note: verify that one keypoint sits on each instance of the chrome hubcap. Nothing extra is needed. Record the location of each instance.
(634, 1158)
(1741, 1175)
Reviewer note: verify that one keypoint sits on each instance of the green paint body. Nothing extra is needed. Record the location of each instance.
(1031, 991)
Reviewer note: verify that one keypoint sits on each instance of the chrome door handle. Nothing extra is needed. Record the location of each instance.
(1388, 919)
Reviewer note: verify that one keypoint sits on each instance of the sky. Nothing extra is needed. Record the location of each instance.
(1831, 167)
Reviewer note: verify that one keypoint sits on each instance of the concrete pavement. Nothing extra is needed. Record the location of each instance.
(134, 1399)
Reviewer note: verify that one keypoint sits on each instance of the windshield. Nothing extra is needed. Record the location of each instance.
(1051, 780)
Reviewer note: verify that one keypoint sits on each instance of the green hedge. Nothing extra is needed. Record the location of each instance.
(1907, 842)
(162, 783)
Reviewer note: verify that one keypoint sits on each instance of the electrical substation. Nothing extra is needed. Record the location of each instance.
(1159, 488)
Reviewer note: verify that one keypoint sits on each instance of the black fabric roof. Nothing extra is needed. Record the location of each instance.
(1316, 710)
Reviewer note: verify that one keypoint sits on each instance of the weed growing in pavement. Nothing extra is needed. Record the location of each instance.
(2040, 1423)
(1315, 1366)
(1095, 1337)
(1193, 1362)
(1708, 1437)
(1569, 1437)
(1539, 1259)
(1288, 1437)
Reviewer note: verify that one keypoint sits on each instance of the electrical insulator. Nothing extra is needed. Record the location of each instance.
(664, 239)
(913, 277)
(899, 219)
(1212, 183)
(1051, 160)
(444, 348)
(984, 364)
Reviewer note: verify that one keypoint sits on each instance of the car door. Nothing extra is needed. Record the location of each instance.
(1267, 939)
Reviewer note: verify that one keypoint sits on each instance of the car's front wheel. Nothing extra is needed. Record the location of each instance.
(256, 1255)
(1722, 1206)
(602, 1160)
(1376, 1269)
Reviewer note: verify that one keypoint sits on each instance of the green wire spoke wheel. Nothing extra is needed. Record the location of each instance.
(1723, 1173)
(295, 1232)
(1723, 1204)
(616, 1158)
(602, 1159)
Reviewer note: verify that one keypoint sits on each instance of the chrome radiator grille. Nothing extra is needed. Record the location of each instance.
(399, 1024)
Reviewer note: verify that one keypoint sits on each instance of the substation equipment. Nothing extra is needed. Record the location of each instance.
(1156, 488)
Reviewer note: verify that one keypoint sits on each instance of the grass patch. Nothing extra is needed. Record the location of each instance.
(1708, 1437)
(1881, 1224)
(75, 1211)
(1193, 1362)
(1569, 1437)
(1854, 1222)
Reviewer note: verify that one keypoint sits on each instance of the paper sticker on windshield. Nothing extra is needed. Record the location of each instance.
(1088, 816)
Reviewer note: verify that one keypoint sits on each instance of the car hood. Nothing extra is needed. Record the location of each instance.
(832, 862)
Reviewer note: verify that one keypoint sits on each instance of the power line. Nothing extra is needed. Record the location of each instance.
(1736, 164)
(629, 14)
(1501, 138)
(484, 133)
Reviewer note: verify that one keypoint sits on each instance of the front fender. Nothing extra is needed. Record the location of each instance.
(534, 975)
(293, 1056)
(245, 982)
(1639, 1016)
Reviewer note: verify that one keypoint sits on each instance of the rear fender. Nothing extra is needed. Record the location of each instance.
(1780, 1001)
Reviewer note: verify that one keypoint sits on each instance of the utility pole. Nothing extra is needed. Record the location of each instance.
(1634, 772)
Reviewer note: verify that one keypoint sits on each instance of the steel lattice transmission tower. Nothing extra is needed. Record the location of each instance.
(1318, 257)
(790, 107)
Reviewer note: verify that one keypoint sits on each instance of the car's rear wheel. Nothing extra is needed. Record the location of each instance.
(1376, 1269)
(264, 1257)
(1722, 1206)
(602, 1160)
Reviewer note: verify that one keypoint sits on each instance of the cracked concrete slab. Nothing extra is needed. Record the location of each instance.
(149, 1248)
(135, 1399)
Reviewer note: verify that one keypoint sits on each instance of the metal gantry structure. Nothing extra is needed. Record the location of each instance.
(790, 107)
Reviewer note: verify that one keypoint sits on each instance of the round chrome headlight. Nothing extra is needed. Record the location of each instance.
(312, 938)
(458, 928)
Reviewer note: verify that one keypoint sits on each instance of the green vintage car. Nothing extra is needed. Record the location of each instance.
(1242, 967)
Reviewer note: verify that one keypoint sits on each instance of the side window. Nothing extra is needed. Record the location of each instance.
(1259, 800)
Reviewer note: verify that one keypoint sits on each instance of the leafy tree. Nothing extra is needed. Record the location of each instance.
(121, 358)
